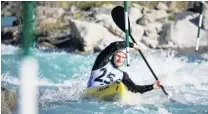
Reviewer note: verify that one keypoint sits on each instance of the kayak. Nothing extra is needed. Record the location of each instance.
(111, 92)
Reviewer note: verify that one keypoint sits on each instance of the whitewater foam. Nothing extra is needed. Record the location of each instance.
(63, 77)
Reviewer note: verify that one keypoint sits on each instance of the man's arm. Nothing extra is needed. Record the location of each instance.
(103, 58)
(133, 87)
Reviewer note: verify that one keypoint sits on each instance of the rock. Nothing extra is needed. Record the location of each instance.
(6, 13)
(103, 10)
(137, 31)
(108, 6)
(46, 45)
(172, 6)
(134, 14)
(183, 33)
(145, 10)
(113, 28)
(87, 16)
(99, 17)
(159, 14)
(10, 35)
(89, 33)
(47, 24)
(60, 40)
(142, 46)
(16, 22)
(5, 110)
(205, 17)
(161, 6)
(47, 12)
(194, 6)
(8, 101)
(49, 18)
(151, 32)
(137, 6)
(149, 42)
(146, 19)
(163, 33)
(152, 17)
(158, 27)
(66, 19)
(72, 9)
(11, 8)
(6, 34)
(103, 43)
(94, 36)
(47, 3)
(185, 15)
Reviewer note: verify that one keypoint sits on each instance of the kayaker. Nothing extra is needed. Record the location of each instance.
(106, 69)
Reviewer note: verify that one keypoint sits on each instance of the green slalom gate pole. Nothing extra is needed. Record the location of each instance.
(199, 25)
(28, 66)
(28, 27)
(127, 31)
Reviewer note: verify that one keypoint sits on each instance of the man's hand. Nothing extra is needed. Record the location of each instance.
(156, 85)
(136, 47)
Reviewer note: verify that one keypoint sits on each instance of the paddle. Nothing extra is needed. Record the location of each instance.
(118, 17)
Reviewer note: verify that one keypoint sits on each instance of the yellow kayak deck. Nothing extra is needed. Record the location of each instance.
(113, 91)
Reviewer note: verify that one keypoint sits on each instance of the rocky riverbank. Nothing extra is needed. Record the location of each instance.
(92, 29)
(8, 101)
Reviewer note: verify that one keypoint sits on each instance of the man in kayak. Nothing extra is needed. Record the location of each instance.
(106, 69)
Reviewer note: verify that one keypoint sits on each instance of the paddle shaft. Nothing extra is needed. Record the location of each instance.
(149, 66)
(144, 58)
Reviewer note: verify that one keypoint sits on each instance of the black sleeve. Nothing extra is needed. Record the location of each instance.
(103, 57)
(133, 87)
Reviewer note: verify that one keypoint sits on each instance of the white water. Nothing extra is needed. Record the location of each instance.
(186, 82)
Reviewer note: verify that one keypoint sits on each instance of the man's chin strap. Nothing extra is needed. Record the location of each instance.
(112, 62)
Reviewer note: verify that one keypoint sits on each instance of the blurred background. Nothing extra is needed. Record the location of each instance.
(72, 25)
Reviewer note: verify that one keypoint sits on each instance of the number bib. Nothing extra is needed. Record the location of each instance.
(104, 76)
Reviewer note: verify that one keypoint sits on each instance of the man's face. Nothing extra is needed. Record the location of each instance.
(119, 58)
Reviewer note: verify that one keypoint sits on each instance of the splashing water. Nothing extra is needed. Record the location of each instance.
(64, 76)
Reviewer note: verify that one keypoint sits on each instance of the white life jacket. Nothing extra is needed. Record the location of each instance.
(105, 75)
